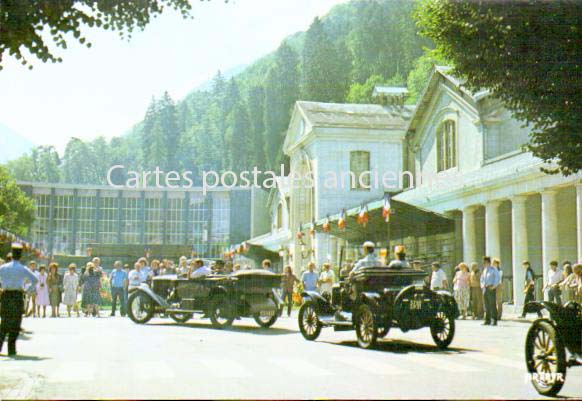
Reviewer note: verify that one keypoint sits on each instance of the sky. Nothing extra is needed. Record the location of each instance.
(104, 90)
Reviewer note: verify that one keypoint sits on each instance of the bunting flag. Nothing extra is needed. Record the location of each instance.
(299, 234)
(363, 215)
(341, 223)
(326, 225)
(312, 228)
(386, 209)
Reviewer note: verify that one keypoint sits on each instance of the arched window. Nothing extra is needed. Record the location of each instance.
(447, 145)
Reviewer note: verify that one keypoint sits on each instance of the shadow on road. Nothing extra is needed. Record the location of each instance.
(5, 358)
(234, 328)
(405, 347)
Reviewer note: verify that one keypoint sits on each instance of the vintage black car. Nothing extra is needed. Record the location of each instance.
(549, 340)
(376, 299)
(220, 297)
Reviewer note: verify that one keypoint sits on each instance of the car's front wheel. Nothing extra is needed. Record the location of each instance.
(545, 357)
(140, 307)
(181, 317)
(366, 327)
(266, 319)
(442, 328)
(309, 323)
(220, 315)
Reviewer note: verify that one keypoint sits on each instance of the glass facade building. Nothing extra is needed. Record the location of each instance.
(72, 218)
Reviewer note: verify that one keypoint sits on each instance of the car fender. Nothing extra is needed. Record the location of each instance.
(322, 305)
(149, 292)
(217, 290)
(448, 303)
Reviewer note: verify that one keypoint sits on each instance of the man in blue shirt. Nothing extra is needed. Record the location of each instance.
(118, 280)
(490, 280)
(13, 276)
(309, 278)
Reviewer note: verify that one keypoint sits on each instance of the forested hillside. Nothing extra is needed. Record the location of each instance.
(241, 122)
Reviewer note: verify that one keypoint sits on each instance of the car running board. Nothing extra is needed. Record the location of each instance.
(332, 321)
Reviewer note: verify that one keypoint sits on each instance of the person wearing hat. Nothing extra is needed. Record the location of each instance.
(369, 259)
(13, 277)
(400, 262)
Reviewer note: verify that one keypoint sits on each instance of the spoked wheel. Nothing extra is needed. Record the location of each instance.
(309, 323)
(141, 307)
(366, 327)
(265, 319)
(181, 317)
(442, 328)
(220, 315)
(545, 358)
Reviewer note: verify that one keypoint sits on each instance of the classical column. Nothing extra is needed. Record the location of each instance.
(550, 247)
(579, 220)
(492, 235)
(519, 245)
(469, 237)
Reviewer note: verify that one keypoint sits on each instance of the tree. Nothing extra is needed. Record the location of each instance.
(16, 209)
(169, 131)
(324, 77)
(78, 163)
(238, 140)
(528, 55)
(26, 25)
(22, 168)
(417, 78)
(45, 164)
(256, 108)
(281, 91)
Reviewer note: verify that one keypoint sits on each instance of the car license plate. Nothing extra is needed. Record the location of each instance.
(267, 313)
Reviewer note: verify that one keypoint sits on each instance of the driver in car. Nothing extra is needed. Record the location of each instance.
(400, 262)
(369, 259)
(198, 269)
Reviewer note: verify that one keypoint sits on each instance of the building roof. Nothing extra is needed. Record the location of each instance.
(389, 90)
(367, 116)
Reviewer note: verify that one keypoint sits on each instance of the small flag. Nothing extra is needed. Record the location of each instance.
(341, 223)
(386, 209)
(326, 225)
(363, 216)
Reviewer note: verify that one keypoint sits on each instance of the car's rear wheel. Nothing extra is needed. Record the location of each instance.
(220, 312)
(309, 323)
(442, 328)
(545, 357)
(181, 317)
(265, 319)
(366, 327)
(140, 307)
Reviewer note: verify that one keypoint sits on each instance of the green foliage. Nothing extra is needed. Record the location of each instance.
(16, 209)
(239, 122)
(418, 77)
(37, 21)
(528, 55)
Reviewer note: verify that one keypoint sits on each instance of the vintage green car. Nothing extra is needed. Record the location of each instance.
(376, 299)
(220, 297)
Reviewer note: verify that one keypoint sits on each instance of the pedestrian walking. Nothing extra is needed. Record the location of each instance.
(30, 306)
(91, 281)
(489, 283)
(438, 278)
(71, 289)
(462, 288)
(476, 292)
(288, 283)
(118, 279)
(54, 287)
(13, 277)
(555, 277)
(499, 290)
(567, 291)
(576, 282)
(42, 291)
(528, 287)
(309, 278)
(326, 279)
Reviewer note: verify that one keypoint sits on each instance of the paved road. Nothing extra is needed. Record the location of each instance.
(115, 358)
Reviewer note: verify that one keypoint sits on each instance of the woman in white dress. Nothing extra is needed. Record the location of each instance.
(42, 292)
(71, 286)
